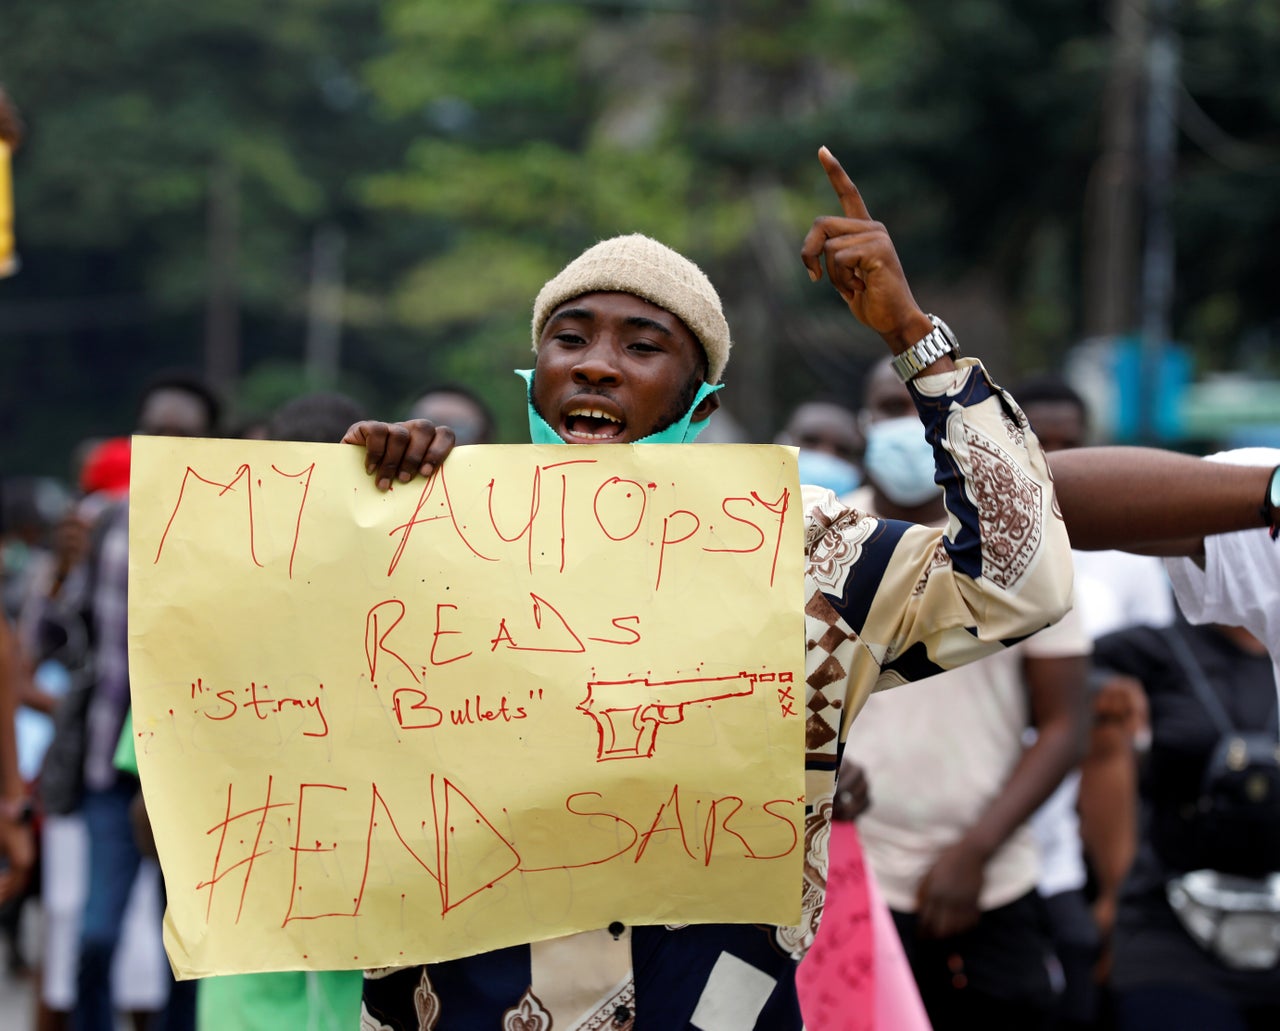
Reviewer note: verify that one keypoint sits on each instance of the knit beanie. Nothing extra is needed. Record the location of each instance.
(655, 273)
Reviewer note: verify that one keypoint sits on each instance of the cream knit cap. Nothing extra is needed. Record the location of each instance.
(649, 270)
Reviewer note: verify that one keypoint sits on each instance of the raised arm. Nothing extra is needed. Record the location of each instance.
(863, 266)
(922, 599)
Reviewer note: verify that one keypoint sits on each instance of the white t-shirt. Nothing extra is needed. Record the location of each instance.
(1240, 582)
(937, 753)
(1114, 590)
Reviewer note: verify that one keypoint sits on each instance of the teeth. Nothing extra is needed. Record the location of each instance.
(593, 413)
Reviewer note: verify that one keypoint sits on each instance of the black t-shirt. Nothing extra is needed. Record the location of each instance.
(1150, 944)
(1183, 732)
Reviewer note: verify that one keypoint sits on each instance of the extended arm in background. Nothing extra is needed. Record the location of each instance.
(1154, 501)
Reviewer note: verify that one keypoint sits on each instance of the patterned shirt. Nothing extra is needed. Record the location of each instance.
(109, 701)
(887, 602)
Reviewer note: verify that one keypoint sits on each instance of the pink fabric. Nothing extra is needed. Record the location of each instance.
(898, 1003)
(855, 977)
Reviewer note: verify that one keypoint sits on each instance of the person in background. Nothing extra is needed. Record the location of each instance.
(1226, 584)
(54, 629)
(1092, 812)
(33, 508)
(17, 847)
(1234, 578)
(1197, 931)
(830, 443)
(462, 410)
(170, 405)
(953, 783)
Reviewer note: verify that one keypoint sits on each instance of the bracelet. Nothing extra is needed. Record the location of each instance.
(1270, 509)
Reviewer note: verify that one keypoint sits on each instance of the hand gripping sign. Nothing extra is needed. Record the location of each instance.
(547, 689)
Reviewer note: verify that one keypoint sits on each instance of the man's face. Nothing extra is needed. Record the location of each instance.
(1058, 424)
(821, 426)
(612, 369)
(459, 413)
(169, 412)
(885, 396)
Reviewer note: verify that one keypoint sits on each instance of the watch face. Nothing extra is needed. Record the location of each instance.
(1273, 490)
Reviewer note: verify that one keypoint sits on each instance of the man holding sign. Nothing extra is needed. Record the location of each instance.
(631, 344)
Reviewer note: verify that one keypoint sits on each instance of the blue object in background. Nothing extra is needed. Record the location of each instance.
(33, 729)
(826, 470)
(1159, 392)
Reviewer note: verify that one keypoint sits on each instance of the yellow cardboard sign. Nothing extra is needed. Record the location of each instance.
(548, 689)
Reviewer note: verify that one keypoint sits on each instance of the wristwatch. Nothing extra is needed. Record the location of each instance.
(923, 353)
(1271, 503)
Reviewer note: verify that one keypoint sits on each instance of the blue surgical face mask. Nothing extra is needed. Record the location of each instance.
(823, 469)
(900, 461)
(682, 431)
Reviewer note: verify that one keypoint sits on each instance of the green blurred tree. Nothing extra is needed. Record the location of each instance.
(464, 152)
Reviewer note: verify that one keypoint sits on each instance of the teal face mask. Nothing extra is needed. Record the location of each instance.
(682, 431)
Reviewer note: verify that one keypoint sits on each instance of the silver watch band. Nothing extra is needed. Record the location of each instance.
(923, 353)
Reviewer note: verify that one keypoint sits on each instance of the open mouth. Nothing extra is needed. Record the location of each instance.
(592, 424)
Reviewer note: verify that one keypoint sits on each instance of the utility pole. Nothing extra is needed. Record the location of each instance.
(1158, 252)
(324, 307)
(1111, 218)
(222, 309)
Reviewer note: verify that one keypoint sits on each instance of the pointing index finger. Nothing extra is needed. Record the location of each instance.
(850, 198)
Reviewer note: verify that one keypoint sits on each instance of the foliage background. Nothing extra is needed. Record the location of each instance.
(184, 162)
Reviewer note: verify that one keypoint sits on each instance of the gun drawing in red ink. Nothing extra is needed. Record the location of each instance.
(628, 713)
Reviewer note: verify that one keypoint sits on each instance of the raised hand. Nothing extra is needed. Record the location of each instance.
(862, 264)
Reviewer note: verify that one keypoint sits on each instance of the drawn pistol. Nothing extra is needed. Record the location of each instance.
(628, 713)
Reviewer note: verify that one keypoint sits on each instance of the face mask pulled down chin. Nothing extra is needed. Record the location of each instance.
(683, 431)
(900, 461)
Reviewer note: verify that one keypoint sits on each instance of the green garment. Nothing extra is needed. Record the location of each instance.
(126, 757)
(323, 1000)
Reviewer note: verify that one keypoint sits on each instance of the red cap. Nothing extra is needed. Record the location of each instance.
(107, 468)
